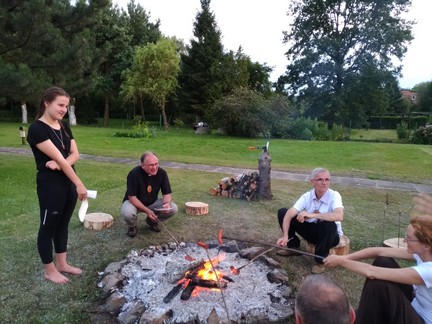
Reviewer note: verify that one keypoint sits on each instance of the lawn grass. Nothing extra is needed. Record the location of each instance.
(383, 135)
(385, 161)
(27, 298)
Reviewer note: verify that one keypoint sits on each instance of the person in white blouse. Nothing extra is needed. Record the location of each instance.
(316, 217)
(392, 294)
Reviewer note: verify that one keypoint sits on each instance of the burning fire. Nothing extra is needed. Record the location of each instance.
(205, 273)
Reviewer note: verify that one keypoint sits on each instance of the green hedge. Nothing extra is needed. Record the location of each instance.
(391, 122)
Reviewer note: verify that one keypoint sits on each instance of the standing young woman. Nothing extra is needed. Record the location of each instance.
(58, 186)
(392, 294)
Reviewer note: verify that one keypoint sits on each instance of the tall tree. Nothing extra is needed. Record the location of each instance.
(154, 73)
(141, 30)
(44, 43)
(201, 68)
(424, 94)
(331, 43)
(240, 71)
(114, 54)
(117, 36)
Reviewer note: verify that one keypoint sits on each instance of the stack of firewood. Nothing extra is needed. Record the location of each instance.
(244, 186)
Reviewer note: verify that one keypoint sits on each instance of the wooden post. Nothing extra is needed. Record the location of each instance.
(264, 168)
(23, 135)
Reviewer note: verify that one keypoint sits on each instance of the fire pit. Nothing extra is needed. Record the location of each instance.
(158, 285)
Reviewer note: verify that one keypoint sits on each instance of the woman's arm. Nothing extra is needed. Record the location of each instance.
(73, 154)
(48, 148)
(373, 252)
(72, 158)
(400, 275)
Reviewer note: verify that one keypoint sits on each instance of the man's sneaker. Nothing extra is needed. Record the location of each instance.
(287, 253)
(318, 268)
(132, 231)
(153, 226)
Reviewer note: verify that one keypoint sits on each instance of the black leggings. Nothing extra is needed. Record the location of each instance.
(57, 203)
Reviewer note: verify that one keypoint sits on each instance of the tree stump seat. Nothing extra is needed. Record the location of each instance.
(98, 221)
(342, 248)
(196, 208)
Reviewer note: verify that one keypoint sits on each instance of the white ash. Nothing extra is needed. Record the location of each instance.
(151, 278)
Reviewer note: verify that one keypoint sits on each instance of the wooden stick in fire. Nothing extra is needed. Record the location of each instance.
(254, 258)
(205, 247)
(221, 237)
(187, 257)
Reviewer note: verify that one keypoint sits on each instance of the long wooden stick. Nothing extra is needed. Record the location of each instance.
(254, 258)
(205, 247)
(276, 246)
(187, 257)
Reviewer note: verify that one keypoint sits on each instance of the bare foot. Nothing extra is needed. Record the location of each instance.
(69, 269)
(56, 277)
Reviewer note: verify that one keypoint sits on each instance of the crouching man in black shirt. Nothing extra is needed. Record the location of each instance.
(143, 185)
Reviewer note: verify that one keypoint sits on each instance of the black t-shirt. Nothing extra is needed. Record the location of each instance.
(139, 182)
(40, 132)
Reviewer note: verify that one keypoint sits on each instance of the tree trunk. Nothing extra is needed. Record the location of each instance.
(264, 167)
(165, 120)
(106, 111)
(142, 108)
(71, 113)
(24, 112)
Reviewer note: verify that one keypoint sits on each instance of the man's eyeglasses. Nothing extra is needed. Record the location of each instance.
(321, 180)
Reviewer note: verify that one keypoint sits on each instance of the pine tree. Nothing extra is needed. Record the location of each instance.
(201, 68)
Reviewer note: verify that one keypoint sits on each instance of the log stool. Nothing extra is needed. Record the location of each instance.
(396, 242)
(342, 248)
(98, 221)
(196, 208)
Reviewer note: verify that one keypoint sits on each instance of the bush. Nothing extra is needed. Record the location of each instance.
(423, 135)
(248, 113)
(140, 129)
(302, 128)
(338, 133)
(402, 131)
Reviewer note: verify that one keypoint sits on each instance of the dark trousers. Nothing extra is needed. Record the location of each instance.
(385, 302)
(323, 234)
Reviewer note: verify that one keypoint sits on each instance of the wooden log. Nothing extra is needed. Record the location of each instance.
(98, 221)
(396, 243)
(206, 283)
(225, 186)
(237, 195)
(213, 191)
(343, 248)
(224, 180)
(196, 208)
(187, 292)
(172, 293)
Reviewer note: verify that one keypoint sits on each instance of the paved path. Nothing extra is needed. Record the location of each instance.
(360, 182)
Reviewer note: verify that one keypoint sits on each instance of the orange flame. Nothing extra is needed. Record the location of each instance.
(207, 272)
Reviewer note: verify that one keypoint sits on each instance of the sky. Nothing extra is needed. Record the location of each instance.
(257, 26)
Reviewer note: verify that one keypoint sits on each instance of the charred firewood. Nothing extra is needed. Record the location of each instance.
(196, 266)
(187, 292)
(208, 283)
(172, 293)
(227, 278)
